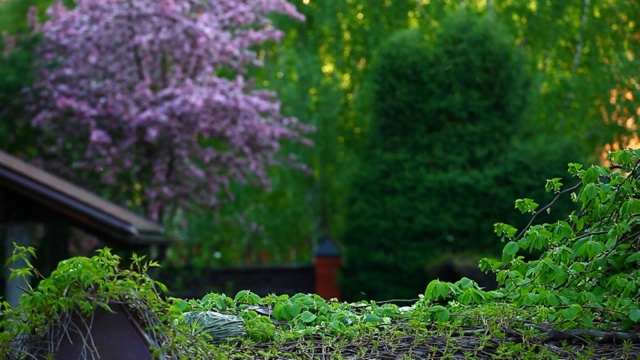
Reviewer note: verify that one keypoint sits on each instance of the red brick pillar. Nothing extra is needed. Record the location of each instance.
(327, 261)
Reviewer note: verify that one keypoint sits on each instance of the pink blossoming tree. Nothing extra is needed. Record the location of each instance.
(151, 98)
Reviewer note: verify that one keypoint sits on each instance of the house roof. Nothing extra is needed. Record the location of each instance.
(28, 193)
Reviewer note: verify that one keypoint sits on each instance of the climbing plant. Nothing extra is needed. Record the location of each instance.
(583, 287)
(77, 288)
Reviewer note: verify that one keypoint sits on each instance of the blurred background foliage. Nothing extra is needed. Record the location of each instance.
(580, 56)
(446, 156)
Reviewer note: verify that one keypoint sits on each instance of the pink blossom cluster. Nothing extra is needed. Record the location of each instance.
(154, 94)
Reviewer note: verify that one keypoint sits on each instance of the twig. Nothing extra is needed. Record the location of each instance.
(469, 332)
(603, 337)
(548, 206)
(396, 300)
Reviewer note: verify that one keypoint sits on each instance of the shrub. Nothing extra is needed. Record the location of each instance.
(76, 289)
(447, 153)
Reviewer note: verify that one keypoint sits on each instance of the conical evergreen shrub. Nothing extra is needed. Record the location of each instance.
(446, 156)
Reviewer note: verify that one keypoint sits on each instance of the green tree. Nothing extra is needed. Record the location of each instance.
(16, 136)
(434, 178)
(319, 71)
(584, 54)
(16, 75)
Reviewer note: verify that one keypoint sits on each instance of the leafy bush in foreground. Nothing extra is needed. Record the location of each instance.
(583, 288)
(588, 274)
(76, 289)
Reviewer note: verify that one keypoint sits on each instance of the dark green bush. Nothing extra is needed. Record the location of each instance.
(449, 152)
(16, 77)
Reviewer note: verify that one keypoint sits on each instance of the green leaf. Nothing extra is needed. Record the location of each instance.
(605, 192)
(532, 298)
(571, 312)
(575, 169)
(371, 318)
(442, 289)
(443, 315)
(589, 192)
(182, 305)
(337, 325)
(478, 296)
(465, 283)
(622, 157)
(553, 184)
(285, 311)
(246, 297)
(441, 312)
(388, 311)
(591, 175)
(586, 321)
(466, 297)
(552, 299)
(539, 239)
(307, 317)
(634, 315)
(633, 258)
(594, 248)
(430, 292)
(438, 289)
(214, 301)
(509, 251)
(526, 205)
(504, 230)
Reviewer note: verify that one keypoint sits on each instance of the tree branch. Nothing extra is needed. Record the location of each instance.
(548, 206)
(603, 337)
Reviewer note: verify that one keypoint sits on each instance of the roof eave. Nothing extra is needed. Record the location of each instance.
(111, 226)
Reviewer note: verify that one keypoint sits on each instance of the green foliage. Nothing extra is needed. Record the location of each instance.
(17, 46)
(319, 71)
(587, 275)
(77, 288)
(451, 146)
(304, 315)
(585, 81)
(452, 267)
(583, 286)
(244, 231)
(16, 77)
(403, 81)
(13, 14)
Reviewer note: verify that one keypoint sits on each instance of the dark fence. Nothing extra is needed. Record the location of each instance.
(191, 282)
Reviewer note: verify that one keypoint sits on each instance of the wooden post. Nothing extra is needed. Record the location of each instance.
(327, 260)
(20, 234)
